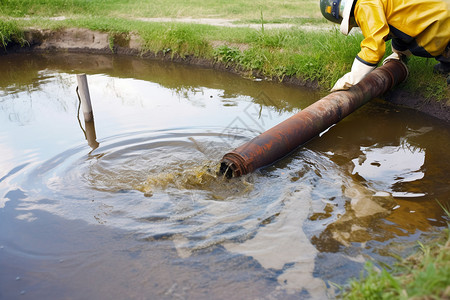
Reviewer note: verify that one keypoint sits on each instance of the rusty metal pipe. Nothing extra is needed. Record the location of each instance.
(283, 138)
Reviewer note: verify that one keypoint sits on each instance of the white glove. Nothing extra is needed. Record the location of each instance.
(398, 55)
(359, 71)
(393, 56)
(401, 56)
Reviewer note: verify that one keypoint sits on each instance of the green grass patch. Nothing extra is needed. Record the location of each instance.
(318, 56)
(174, 38)
(50, 8)
(278, 53)
(179, 39)
(321, 56)
(424, 275)
(286, 20)
(231, 9)
(10, 31)
(424, 82)
(293, 52)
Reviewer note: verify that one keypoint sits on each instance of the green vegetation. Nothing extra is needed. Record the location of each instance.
(273, 53)
(10, 33)
(318, 55)
(424, 275)
(231, 9)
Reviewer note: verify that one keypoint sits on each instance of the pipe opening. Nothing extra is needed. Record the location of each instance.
(226, 169)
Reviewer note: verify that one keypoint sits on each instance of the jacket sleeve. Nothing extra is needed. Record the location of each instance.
(371, 18)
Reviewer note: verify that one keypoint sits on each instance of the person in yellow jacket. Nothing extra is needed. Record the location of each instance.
(418, 27)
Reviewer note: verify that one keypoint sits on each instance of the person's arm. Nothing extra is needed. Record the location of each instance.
(370, 17)
(358, 72)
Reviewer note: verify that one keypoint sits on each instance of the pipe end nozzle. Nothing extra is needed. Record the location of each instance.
(227, 169)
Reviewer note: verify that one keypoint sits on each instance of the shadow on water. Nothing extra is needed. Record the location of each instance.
(138, 208)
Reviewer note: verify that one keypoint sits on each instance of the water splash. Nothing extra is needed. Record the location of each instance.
(202, 177)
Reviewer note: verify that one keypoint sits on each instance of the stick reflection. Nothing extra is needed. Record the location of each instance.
(90, 134)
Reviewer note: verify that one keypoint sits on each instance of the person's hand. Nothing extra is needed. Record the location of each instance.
(400, 57)
(359, 71)
(393, 56)
(344, 83)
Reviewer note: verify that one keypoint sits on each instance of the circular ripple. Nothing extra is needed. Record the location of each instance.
(158, 183)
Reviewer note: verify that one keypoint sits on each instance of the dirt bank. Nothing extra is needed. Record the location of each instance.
(87, 41)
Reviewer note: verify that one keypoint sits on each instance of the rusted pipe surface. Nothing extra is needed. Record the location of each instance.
(283, 138)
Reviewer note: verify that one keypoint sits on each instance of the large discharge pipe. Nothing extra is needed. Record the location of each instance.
(283, 138)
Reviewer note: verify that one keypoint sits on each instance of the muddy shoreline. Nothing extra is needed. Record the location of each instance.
(86, 41)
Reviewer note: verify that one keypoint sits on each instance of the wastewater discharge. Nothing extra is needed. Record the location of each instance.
(146, 211)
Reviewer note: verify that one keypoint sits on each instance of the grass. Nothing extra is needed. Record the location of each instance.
(320, 56)
(231, 9)
(424, 275)
(10, 32)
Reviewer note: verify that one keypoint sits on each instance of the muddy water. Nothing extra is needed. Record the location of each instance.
(137, 211)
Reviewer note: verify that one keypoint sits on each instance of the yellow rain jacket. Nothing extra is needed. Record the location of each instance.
(423, 23)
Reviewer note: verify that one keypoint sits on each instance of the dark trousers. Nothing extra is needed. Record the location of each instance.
(416, 50)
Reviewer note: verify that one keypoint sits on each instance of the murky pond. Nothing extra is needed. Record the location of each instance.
(137, 210)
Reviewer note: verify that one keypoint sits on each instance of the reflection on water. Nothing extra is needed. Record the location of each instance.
(135, 204)
(400, 164)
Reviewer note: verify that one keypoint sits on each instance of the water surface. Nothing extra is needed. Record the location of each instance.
(136, 210)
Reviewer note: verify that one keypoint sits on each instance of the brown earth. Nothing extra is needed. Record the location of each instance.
(87, 41)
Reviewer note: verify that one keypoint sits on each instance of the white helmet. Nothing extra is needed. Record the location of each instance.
(347, 23)
(339, 11)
